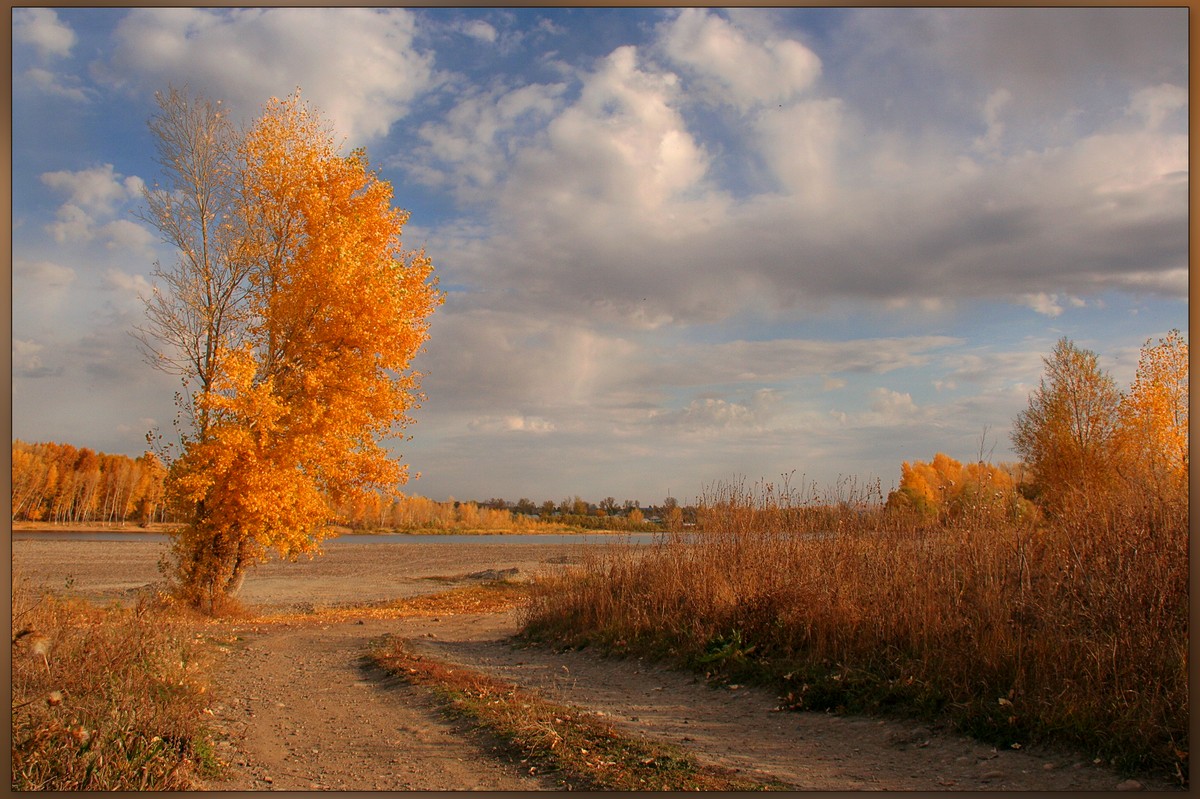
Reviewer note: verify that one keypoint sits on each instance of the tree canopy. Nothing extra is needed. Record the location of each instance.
(294, 393)
(1067, 433)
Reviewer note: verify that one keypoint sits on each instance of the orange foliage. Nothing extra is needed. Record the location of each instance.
(1091, 449)
(1153, 433)
(946, 487)
(1067, 434)
(337, 310)
(60, 483)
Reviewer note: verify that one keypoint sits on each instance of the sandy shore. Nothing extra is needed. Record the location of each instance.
(347, 573)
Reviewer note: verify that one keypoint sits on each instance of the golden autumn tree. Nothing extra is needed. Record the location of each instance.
(331, 311)
(924, 486)
(1153, 429)
(945, 487)
(1067, 435)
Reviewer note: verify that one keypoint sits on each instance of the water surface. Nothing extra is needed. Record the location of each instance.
(362, 538)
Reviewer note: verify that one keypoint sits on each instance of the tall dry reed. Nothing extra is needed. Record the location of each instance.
(1073, 631)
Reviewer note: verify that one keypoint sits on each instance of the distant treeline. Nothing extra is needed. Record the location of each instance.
(63, 484)
(376, 512)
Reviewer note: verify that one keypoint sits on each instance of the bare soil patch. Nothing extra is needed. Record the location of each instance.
(299, 707)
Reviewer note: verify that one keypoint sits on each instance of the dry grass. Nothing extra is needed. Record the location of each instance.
(105, 699)
(493, 596)
(575, 748)
(1074, 632)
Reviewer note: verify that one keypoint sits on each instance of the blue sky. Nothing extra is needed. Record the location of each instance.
(678, 245)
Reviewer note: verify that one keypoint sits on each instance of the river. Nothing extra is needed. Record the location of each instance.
(362, 538)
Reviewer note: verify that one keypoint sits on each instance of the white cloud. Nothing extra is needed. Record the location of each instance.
(513, 423)
(995, 103)
(94, 196)
(42, 276)
(121, 234)
(1045, 304)
(51, 83)
(1154, 104)
(134, 286)
(624, 141)
(800, 143)
(714, 415)
(27, 360)
(72, 224)
(471, 148)
(1051, 305)
(42, 28)
(615, 209)
(890, 408)
(737, 70)
(480, 30)
(368, 72)
(97, 190)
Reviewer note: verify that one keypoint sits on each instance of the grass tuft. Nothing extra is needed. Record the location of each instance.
(570, 745)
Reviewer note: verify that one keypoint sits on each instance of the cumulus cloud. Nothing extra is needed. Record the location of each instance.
(27, 360)
(1045, 304)
(992, 109)
(97, 190)
(513, 423)
(94, 197)
(43, 275)
(716, 415)
(616, 208)
(733, 68)
(54, 84)
(890, 408)
(480, 30)
(624, 140)
(800, 145)
(470, 147)
(369, 72)
(121, 234)
(131, 285)
(42, 28)
(1154, 104)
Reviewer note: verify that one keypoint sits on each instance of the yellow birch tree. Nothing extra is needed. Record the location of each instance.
(1153, 430)
(295, 413)
(1067, 434)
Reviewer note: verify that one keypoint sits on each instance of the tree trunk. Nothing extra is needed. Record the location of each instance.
(237, 577)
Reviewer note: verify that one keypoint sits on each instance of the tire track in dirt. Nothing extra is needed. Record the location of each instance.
(299, 710)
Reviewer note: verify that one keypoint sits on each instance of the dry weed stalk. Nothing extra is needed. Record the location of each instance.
(104, 699)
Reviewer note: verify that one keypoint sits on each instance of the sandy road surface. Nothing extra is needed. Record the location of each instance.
(299, 708)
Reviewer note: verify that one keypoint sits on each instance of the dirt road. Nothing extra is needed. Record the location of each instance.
(299, 707)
